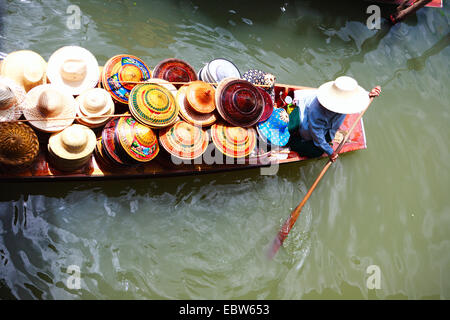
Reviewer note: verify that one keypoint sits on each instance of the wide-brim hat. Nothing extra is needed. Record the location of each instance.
(121, 73)
(19, 145)
(109, 146)
(74, 68)
(49, 108)
(191, 116)
(268, 105)
(164, 83)
(219, 69)
(343, 95)
(74, 144)
(184, 140)
(201, 96)
(239, 102)
(274, 130)
(175, 70)
(12, 94)
(234, 142)
(138, 141)
(94, 106)
(26, 67)
(153, 105)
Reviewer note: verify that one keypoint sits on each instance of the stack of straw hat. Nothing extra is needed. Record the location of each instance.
(175, 70)
(234, 142)
(217, 70)
(12, 99)
(94, 107)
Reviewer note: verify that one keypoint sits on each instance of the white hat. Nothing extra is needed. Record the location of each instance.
(93, 104)
(74, 68)
(343, 95)
(46, 102)
(73, 143)
(12, 99)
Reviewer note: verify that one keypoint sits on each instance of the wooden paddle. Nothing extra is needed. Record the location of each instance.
(289, 223)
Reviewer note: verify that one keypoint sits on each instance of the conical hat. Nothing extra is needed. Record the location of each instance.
(239, 102)
(164, 83)
(235, 142)
(201, 96)
(74, 68)
(73, 143)
(174, 70)
(109, 146)
(343, 95)
(153, 105)
(184, 140)
(137, 140)
(25, 67)
(120, 71)
(47, 103)
(268, 105)
(94, 102)
(12, 99)
(275, 129)
(190, 115)
(19, 145)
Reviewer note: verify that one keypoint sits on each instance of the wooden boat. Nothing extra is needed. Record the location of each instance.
(433, 3)
(162, 166)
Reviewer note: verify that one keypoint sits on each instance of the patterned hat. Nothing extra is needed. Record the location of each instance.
(138, 141)
(120, 71)
(153, 105)
(235, 142)
(239, 102)
(174, 70)
(268, 105)
(165, 84)
(109, 148)
(12, 99)
(200, 96)
(190, 115)
(184, 140)
(19, 145)
(275, 129)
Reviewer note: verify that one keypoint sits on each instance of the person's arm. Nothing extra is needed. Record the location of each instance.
(317, 131)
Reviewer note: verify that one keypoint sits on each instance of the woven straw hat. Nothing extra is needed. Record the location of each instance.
(239, 102)
(19, 145)
(12, 99)
(191, 116)
(184, 140)
(153, 105)
(343, 95)
(74, 68)
(73, 143)
(121, 69)
(174, 70)
(92, 105)
(235, 142)
(45, 104)
(25, 67)
(164, 83)
(201, 96)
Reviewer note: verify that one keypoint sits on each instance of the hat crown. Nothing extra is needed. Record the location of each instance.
(73, 70)
(7, 97)
(32, 72)
(345, 83)
(95, 102)
(50, 103)
(74, 139)
(186, 134)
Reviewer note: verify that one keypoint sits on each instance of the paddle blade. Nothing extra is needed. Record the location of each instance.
(278, 241)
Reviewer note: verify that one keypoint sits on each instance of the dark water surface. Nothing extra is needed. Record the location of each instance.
(205, 237)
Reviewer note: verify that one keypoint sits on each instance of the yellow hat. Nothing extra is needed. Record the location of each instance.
(73, 143)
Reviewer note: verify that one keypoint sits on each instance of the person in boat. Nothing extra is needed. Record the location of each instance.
(321, 112)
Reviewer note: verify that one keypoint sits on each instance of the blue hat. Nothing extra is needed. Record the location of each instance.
(274, 130)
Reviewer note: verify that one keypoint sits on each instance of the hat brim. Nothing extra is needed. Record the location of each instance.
(56, 146)
(58, 58)
(340, 101)
(188, 114)
(219, 137)
(94, 122)
(15, 111)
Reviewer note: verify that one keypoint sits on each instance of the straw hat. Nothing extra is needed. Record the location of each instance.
(93, 104)
(174, 70)
(275, 129)
(46, 102)
(239, 102)
(138, 141)
(109, 146)
(268, 105)
(200, 96)
(165, 84)
(19, 145)
(12, 99)
(191, 116)
(235, 142)
(153, 105)
(121, 69)
(343, 95)
(184, 140)
(73, 143)
(74, 68)
(25, 67)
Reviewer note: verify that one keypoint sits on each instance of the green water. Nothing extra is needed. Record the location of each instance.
(205, 237)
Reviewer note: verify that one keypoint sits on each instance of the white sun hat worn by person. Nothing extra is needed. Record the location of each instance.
(94, 105)
(26, 67)
(49, 108)
(74, 68)
(12, 99)
(343, 95)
